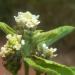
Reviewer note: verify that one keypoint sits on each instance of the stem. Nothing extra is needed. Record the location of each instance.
(14, 73)
(38, 73)
(45, 74)
(26, 68)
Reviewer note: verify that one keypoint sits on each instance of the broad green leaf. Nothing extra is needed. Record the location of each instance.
(8, 30)
(61, 69)
(52, 36)
(40, 68)
(73, 69)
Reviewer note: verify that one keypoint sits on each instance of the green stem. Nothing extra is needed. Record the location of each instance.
(38, 73)
(14, 73)
(26, 68)
(45, 74)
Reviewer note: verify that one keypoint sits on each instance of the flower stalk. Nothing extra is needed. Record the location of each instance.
(38, 72)
(26, 42)
(26, 68)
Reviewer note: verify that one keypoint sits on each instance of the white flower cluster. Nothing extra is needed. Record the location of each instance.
(49, 51)
(27, 19)
(14, 43)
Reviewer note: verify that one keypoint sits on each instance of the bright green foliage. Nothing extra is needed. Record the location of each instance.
(8, 30)
(37, 37)
(40, 68)
(52, 36)
(43, 65)
(73, 69)
(33, 40)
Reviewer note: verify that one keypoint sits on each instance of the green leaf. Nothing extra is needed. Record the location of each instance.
(50, 65)
(52, 36)
(73, 69)
(62, 69)
(8, 30)
(40, 68)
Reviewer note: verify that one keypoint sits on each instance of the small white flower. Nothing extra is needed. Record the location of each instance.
(36, 53)
(42, 55)
(9, 36)
(49, 51)
(19, 36)
(3, 48)
(53, 49)
(22, 42)
(13, 44)
(45, 47)
(3, 51)
(36, 16)
(54, 55)
(27, 19)
(17, 47)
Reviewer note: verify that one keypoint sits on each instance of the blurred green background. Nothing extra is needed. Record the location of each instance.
(53, 13)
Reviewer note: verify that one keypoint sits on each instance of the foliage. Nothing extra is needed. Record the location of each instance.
(33, 44)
